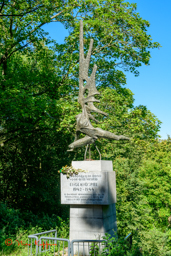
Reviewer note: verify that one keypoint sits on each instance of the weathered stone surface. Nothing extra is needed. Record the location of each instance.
(95, 165)
(95, 188)
(91, 222)
(90, 219)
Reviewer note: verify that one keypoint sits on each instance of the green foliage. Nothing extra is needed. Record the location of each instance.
(155, 242)
(155, 177)
(143, 198)
(138, 123)
(69, 170)
(17, 225)
(12, 220)
(115, 246)
(63, 230)
(151, 243)
(94, 250)
(39, 85)
(131, 213)
(38, 92)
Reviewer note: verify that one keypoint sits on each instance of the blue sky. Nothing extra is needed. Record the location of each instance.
(152, 87)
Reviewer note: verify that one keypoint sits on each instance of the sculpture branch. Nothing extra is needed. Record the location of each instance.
(83, 119)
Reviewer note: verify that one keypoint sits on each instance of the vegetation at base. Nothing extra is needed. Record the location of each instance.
(119, 246)
(17, 225)
(38, 105)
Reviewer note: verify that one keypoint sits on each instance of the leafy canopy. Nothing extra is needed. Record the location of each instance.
(39, 88)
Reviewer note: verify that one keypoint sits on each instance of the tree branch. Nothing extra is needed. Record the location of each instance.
(2, 6)
(28, 35)
(57, 14)
(17, 49)
(96, 50)
(50, 116)
(21, 15)
(11, 21)
(9, 15)
(45, 22)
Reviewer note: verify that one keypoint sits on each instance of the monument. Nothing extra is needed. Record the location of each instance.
(90, 194)
(83, 119)
(92, 197)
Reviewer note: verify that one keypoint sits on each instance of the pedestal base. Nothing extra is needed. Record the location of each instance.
(91, 222)
(92, 198)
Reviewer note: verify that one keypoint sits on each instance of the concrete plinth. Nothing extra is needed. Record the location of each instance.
(95, 165)
(92, 222)
(92, 198)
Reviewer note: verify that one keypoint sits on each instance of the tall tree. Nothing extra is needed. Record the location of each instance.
(39, 85)
(21, 23)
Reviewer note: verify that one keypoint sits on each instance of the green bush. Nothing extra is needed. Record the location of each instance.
(119, 246)
(17, 225)
(148, 243)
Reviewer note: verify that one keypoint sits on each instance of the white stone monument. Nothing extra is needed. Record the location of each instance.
(92, 197)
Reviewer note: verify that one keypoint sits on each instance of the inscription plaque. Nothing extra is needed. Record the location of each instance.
(88, 188)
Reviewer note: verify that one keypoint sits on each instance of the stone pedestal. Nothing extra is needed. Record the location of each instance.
(92, 221)
(92, 198)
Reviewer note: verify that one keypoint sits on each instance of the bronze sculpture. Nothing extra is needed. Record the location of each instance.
(83, 119)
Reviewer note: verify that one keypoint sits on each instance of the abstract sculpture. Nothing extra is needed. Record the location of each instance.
(83, 119)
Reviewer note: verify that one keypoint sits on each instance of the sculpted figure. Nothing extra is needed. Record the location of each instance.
(83, 119)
